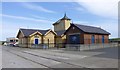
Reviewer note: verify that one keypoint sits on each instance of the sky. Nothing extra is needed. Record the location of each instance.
(41, 15)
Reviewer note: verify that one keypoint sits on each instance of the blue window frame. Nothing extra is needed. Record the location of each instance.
(103, 39)
(36, 41)
(93, 39)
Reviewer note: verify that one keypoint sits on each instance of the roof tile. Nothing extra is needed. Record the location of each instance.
(27, 32)
(91, 29)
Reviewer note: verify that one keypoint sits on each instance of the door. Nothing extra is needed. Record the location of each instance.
(36, 41)
(93, 39)
(102, 39)
(74, 39)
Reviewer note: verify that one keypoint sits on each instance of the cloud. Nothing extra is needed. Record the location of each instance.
(111, 27)
(80, 9)
(38, 17)
(36, 7)
(104, 8)
(37, 0)
(25, 18)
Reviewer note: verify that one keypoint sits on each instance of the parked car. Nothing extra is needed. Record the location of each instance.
(5, 44)
(15, 44)
(12, 41)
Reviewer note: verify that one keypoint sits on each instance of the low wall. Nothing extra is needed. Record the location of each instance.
(36, 45)
(80, 47)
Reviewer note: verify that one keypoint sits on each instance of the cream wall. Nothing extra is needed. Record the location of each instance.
(51, 37)
(59, 27)
(67, 24)
(20, 38)
(60, 41)
(63, 25)
(32, 38)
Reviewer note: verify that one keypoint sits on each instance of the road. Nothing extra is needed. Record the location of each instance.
(15, 57)
(0, 57)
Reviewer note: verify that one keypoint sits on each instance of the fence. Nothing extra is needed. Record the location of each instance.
(41, 46)
(70, 46)
(89, 46)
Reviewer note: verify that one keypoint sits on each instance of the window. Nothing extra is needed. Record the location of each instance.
(16, 40)
(11, 40)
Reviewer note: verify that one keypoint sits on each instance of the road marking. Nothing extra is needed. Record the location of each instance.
(60, 57)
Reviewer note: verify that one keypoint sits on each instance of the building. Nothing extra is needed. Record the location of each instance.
(64, 33)
(11, 41)
(32, 37)
(82, 34)
(69, 33)
(60, 27)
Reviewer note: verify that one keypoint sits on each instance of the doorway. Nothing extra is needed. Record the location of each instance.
(74, 39)
(36, 41)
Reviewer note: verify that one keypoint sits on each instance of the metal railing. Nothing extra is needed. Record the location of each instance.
(28, 45)
(69, 46)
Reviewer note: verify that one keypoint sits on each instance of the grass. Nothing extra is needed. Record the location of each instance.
(1, 42)
(115, 39)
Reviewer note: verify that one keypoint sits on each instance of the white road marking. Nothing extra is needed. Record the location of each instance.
(66, 56)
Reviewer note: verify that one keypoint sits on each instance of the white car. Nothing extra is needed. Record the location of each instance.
(5, 44)
(15, 44)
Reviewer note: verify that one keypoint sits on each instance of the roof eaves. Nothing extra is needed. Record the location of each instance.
(21, 32)
(35, 33)
(105, 32)
(49, 31)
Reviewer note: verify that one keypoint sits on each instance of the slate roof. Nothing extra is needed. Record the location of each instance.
(64, 18)
(59, 33)
(57, 22)
(27, 32)
(91, 29)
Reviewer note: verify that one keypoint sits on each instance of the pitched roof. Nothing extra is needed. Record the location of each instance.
(59, 33)
(27, 32)
(91, 29)
(64, 18)
(57, 22)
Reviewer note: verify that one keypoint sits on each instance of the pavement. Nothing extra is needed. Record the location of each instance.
(15, 57)
(0, 57)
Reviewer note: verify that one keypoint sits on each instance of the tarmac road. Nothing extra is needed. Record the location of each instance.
(15, 57)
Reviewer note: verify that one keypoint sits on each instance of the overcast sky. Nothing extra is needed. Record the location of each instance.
(41, 15)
